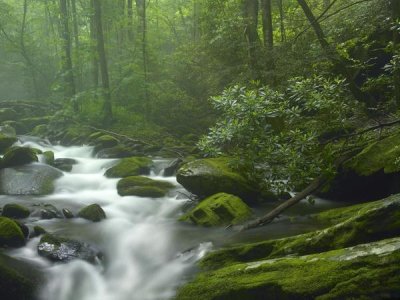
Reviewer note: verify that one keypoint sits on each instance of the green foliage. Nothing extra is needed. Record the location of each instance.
(278, 135)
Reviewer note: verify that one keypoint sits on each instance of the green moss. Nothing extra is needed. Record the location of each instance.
(105, 141)
(119, 151)
(143, 186)
(217, 210)
(17, 156)
(94, 136)
(40, 130)
(206, 177)
(353, 225)
(131, 166)
(361, 271)
(10, 233)
(75, 135)
(92, 212)
(31, 123)
(48, 157)
(381, 155)
(6, 142)
(15, 211)
(144, 191)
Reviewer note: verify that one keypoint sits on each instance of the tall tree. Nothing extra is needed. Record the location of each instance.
(142, 11)
(107, 107)
(66, 60)
(250, 14)
(331, 53)
(268, 31)
(282, 21)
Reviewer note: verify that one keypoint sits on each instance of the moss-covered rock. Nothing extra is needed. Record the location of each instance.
(368, 271)
(74, 135)
(17, 156)
(30, 123)
(104, 141)
(352, 225)
(217, 210)
(93, 213)
(206, 177)
(18, 279)
(62, 249)
(15, 211)
(11, 234)
(6, 142)
(119, 151)
(131, 166)
(48, 158)
(64, 164)
(7, 114)
(143, 187)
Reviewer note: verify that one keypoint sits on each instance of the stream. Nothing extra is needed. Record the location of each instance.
(147, 253)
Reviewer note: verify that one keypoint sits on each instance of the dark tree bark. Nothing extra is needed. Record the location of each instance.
(66, 60)
(340, 63)
(95, 56)
(282, 21)
(77, 44)
(107, 107)
(129, 9)
(395, 6)
(250, 14)
(327, 3)
(142, 10)
(268, 32)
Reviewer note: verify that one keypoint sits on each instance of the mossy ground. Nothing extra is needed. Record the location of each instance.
(365, 271)
(352, 225)
(131, 166)
(217, 210)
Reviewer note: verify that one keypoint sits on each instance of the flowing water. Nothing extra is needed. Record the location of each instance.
(147, 253)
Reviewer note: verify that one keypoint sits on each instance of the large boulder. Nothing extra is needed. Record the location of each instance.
(206, 177)
(143, 187)
(11, 234)
(30, 123)
(367, 271)
(131, 166)
(33, 179)
(172, 167)
(17, 156)
(345, 227)
(104, 141)
(217, 210)
(372, 174)
(119, 151)
(19, 280)
(93, 213)
(6, 141)
(60, 249)
(15, 211)
(64, 164)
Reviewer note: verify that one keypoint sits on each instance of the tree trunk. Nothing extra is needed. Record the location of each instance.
(341, 64)
(282, 21)
(142, 9)
(95, 56)
(107, 108)
(130, 20)
(267, 24)
(66, 61)
(77, 45)
(268, 218)
(395, 6)
(250, 14)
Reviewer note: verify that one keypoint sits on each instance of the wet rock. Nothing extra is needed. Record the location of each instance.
(30, 123)
(131, 166)
(143, 187)
(8, 130)
(61, 249)
(6, 142)
(218, 210)
(17, 156)
(67, 213)
(93, 213)
(11, 234)
(65, 164)
(15, 211)
(7, 114)
(119, 151)
(38, 230)
(206, 177)
(40, 130)
(19, 280)
(48, 158)
(23, 227)
(33, 179)
(104, 141)
(172, 167)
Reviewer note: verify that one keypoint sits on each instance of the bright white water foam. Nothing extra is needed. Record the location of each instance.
(143, 256)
